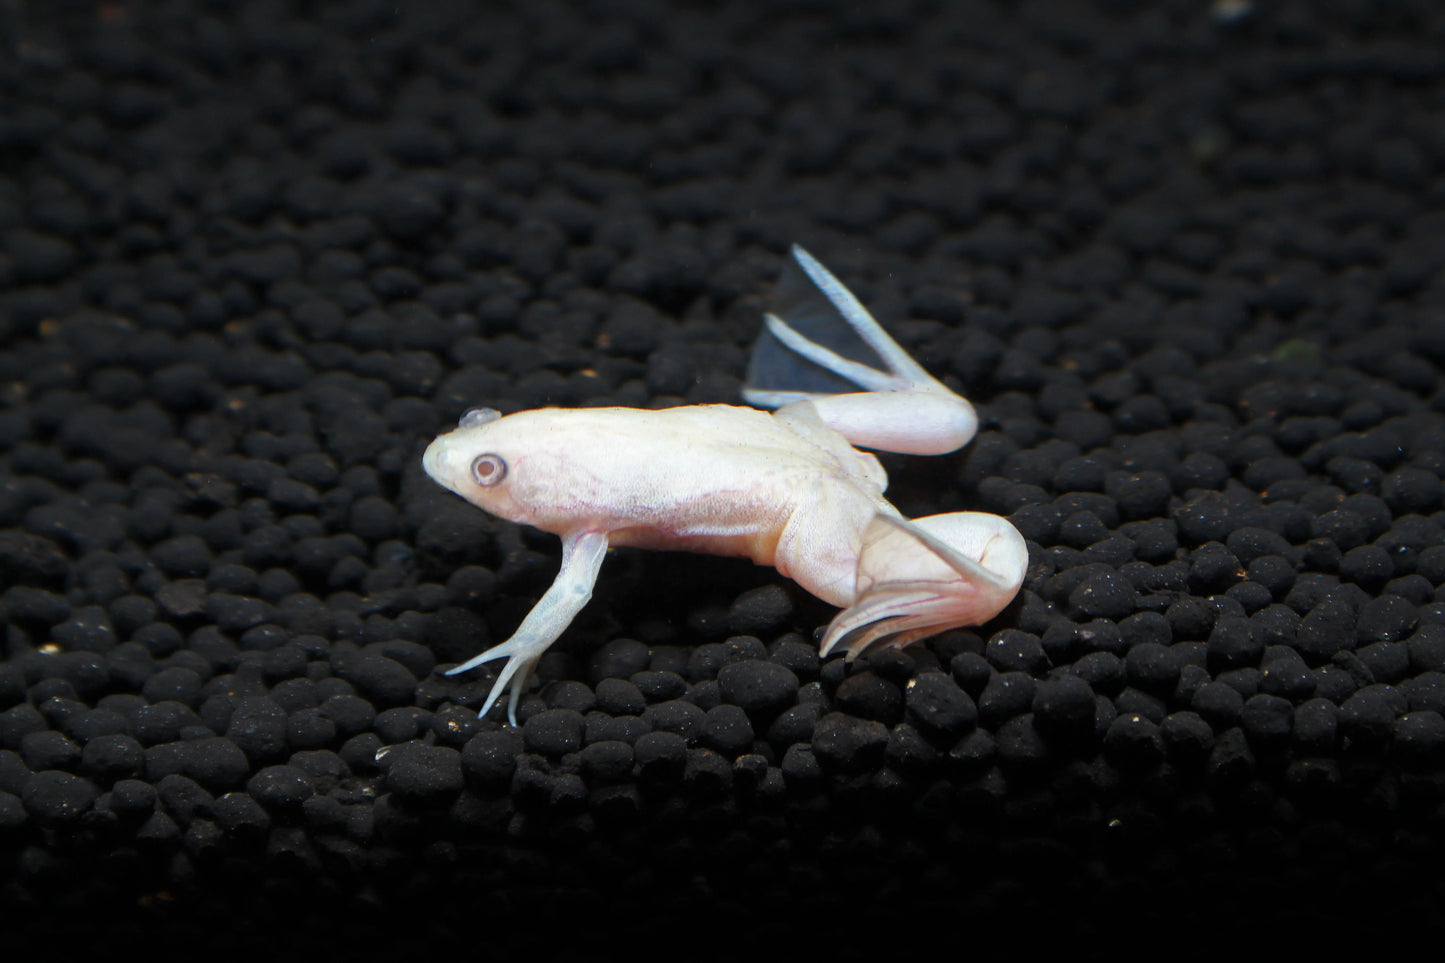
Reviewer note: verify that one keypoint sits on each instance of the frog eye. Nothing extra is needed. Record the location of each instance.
(475, 417)
(488, 470)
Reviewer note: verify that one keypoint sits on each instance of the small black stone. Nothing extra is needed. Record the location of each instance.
(609, 761)
(1327, 629)
(350, 713)
(1014, 651)
(1231, 761)
(1234, 643)
(761, 688)
(849, 744)
(423, 773)
(618, 697)
(760, 611)
(32, 606)
(241, 816)
(1213, 568)
(661, 757)
(795, 725)
(1103, 596)
(109, 758)
(800, 767)
(1267, 720)
(132, 799)
(971, 671)
(1187, 736)
(1427, 648)
(728, 730)
(553, 732)
(401, 724)
(489, 758)
(1007, 695)
(1220, 704)
(381, 680)
(162, 722)
(183, 799)
(1064, 709)
(1387, 618)
(215, 763)
(1419, 738)
(280, 789)
(1104, 672)
(937, 705)
(869, 695)
(48, 749)
(1133, 742)
(707, 775)
(1367, 718)
(1020, 746)
(58, 799)
(1152, 666)
(680, 716)
(659, 685)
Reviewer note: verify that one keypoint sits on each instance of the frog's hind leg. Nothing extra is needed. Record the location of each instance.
(918, 578)
(813, 350)
(581, 560)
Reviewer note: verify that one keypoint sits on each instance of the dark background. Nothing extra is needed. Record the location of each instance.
(1184, 257)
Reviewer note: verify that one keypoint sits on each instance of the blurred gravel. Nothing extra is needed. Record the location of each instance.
(253, 256)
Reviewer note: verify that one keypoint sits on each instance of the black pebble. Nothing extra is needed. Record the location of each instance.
(760, 688)
(661, 757)
(849, 744)
(280, 789)
(937, 705)
(1063, 708)
(421, 772)
(728, 730)
(553, 732)
(607, 761)
(1133, 742)
(217, 764)
(869, 695)
(58, 799)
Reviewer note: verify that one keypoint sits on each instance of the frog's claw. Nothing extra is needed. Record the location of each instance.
(919, 578)
(582, 556)
(811, 350)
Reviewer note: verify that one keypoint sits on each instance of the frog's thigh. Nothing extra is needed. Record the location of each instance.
(907, 422)
(818, 547)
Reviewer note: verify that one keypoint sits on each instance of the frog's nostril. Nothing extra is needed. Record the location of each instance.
(435, 459)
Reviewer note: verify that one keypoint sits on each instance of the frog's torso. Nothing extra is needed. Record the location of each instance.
(719, 479)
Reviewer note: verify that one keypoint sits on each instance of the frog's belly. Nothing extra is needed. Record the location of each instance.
(759, 544)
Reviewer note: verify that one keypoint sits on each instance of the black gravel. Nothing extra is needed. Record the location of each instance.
(1188, 262)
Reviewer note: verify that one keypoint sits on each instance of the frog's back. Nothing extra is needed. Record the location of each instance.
(720, 479)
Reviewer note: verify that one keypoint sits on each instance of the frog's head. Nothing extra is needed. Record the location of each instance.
(474, 461)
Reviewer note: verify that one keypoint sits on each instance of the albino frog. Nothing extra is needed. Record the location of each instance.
(786, 489)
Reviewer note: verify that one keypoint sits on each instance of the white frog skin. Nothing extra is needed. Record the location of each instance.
(786, 489)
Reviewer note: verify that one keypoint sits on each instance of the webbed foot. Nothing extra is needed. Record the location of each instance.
(581, 559)
(918, 578)
(812, 350)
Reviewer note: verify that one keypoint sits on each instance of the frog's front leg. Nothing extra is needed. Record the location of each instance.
(921, 577)
(804, 356)
(582, 556)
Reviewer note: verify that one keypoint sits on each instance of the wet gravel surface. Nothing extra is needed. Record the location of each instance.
(253, 257)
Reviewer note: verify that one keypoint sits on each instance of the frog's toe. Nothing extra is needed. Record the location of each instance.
(516, 672)
(919, 578)
(514, 675)
(819, 340)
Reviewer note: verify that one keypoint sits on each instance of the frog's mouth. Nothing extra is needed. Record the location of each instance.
(441, 461)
